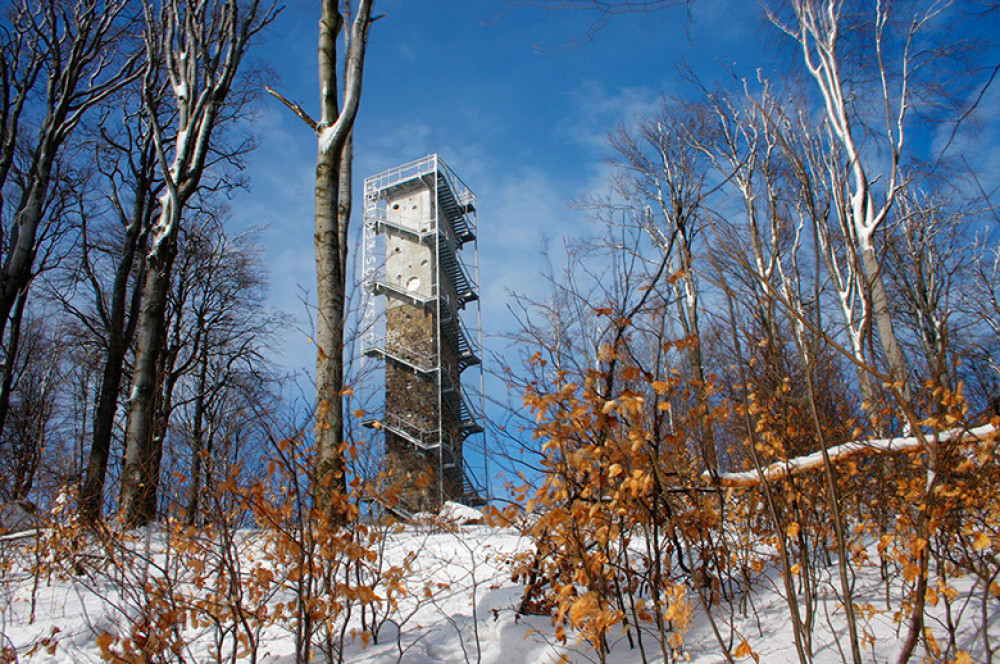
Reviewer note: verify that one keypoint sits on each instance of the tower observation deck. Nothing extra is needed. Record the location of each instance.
(422, 322)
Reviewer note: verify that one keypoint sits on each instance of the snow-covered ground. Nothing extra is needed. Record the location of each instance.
(459, 607)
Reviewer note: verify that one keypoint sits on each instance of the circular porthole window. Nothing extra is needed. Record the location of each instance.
(413, 284)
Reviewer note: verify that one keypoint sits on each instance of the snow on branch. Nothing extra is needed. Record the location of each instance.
(783, 469)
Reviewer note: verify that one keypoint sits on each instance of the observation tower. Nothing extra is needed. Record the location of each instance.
(422, 323)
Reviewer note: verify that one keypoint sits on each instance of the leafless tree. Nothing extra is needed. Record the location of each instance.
(103, 289)
(662, 172)
(201, 46)
(58, 62)
(34, 391)
(987, 289)
(332, 219)
(219, 326)
(872, 189)
(926, 249)
(886, 91)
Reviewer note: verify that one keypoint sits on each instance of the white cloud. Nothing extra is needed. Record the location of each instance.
(599, 110)
(977, 139)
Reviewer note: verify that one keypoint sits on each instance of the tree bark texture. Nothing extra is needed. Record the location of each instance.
(140, 477)
(121, 321)
(332, 210)
(883, 320)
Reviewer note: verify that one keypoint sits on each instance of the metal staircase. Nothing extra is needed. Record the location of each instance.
(453, 330)
(455, 209)
(393, 351)
(473, 495)
(442, 229)
(428, 440)
(452, 268)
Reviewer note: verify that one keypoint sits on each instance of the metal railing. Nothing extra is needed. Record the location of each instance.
(425, 362)
(430, 165)
(463, 194)
(449, 253)
(423, 295)
(424, 438)
(422, 230)
(398, 174)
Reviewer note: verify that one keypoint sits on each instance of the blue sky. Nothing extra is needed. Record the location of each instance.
(497, 93)
(522, 118)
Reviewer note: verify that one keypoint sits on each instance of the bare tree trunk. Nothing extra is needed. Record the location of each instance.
(688, 306)
(331, 284)
(332, 216)
(139, 476)
(120, 334)
(883, 319)
(10, 353)
(664, 167)
(121, 321)
(817, 30)
(197, 438)
(201, 45)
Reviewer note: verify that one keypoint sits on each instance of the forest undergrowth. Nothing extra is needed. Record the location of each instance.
(627, 552)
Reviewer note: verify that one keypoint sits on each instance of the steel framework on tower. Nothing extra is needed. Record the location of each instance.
(423, 322)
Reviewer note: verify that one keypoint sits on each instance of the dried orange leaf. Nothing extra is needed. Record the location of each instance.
(743, 650)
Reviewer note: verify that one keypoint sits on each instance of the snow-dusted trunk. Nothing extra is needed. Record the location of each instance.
(200, 45)
(331, 220)
(856, 339)
(842, 266)
(817, 29)
(894, 357)
(140, 475)
(818, 34)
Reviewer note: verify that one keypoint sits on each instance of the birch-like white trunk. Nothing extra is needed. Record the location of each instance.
(140, 474)
(331, 222)
(201, 45)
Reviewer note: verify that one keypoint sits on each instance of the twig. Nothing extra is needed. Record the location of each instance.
(294, 108)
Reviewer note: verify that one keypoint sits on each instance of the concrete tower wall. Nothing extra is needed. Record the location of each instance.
(409, 263)
(413, 208)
